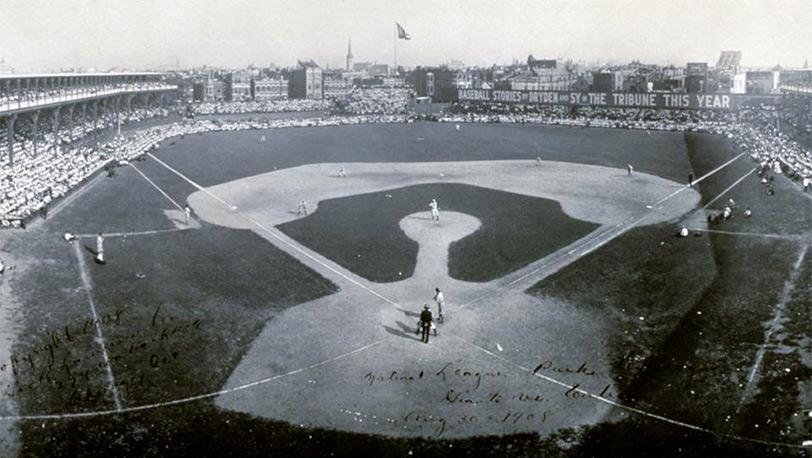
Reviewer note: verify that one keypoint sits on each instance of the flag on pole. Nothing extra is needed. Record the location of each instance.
(402, 33)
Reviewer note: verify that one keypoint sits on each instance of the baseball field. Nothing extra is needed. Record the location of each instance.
(575, 323)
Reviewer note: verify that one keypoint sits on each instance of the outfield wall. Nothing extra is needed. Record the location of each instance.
(652, 100)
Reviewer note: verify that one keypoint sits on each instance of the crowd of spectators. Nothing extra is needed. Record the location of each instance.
(379, 100)
(360, 101)
(261, 106)
(758, 134)
(60, 164)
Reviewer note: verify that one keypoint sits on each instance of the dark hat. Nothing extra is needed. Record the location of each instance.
(426, 306)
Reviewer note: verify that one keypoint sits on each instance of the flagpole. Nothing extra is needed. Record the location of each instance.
(396, 49)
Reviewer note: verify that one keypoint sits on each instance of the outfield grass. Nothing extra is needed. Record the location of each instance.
(219, 157)
(362, 234)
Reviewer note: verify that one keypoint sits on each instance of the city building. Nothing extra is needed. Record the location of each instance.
(307, 81)
(435, 82)
(208, 90)
(361, 66)
(378, 70)
(269, 88)
(336, 87)
(607, 81)
(238, 86)
(542, 75)
(756, 82)
(393, 81)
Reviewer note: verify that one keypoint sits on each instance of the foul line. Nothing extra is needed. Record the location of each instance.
(622, 406)
(156, 186)
(699, 179)
(779, 308)
(276, 236)
(130, 234)
(580, 244)
(99, 336)
(728, 189)
(68, 416)
(68, 200)
(752, 234)
(191, 182)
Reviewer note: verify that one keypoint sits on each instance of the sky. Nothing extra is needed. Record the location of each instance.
(44, 35)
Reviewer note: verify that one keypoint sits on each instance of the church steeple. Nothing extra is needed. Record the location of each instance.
(349, 54)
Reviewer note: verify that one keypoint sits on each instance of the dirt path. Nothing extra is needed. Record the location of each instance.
(432, 258)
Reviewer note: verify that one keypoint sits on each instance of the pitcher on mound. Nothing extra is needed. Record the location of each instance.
(435, 210)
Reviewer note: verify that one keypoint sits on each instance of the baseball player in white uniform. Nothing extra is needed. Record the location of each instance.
(435, 210)
(100, 248)
(439, 298)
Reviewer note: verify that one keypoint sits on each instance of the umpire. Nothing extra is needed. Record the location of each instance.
(425, 322)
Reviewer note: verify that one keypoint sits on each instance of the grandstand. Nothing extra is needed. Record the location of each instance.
(729, 62)
(49, 94)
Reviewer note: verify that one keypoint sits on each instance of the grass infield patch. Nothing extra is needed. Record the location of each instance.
(362, 234)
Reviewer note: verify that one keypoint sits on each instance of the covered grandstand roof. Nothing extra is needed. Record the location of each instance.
(57, 75)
